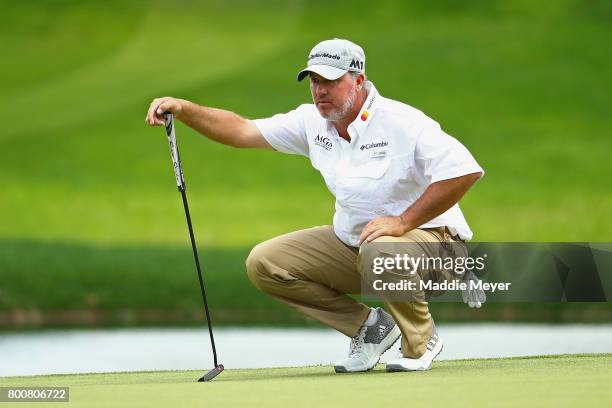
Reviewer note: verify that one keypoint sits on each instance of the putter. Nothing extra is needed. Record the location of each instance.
(180, 181)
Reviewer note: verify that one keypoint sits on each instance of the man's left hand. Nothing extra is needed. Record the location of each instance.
(473, 295)
(391, 226)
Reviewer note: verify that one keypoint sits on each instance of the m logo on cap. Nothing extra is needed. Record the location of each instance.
(333, 58)
(356, 64)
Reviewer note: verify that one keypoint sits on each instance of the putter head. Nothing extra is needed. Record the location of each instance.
(211, 374)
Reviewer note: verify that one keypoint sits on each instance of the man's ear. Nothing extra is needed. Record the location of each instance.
(360, 80)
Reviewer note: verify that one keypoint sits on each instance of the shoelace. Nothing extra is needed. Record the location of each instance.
(357, 342)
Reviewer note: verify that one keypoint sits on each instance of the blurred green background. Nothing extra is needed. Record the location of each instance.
(92, 230)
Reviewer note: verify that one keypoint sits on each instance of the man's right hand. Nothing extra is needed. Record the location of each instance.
(155, 114)
(219, 125)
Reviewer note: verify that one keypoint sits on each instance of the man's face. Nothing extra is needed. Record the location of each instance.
(334, 99)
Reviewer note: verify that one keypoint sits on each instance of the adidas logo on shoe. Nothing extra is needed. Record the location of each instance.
(433, 349)
(369, 344)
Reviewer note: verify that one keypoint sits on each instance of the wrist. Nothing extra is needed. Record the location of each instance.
(182, 107)
(405, 222)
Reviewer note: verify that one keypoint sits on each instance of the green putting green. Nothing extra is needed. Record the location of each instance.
(552, 381)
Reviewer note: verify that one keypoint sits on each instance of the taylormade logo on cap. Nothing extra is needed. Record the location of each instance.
(333, 58)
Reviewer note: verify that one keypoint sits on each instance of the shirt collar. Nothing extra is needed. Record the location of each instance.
(366, 113)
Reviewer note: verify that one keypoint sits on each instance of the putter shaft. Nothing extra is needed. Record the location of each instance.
(200, 277)
(180, 181)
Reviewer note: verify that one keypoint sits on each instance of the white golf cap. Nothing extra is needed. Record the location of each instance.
(333, 58)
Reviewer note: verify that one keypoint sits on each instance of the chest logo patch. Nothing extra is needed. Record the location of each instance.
(323, 142)
(368, 146)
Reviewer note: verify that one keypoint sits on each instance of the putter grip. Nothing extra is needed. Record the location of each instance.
(174, 152)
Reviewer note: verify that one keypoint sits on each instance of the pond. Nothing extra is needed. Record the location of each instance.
(87, 351)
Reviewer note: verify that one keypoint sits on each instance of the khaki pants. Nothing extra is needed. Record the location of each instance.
(313, 271)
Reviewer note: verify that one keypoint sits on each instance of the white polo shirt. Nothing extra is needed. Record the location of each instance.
(395, 153)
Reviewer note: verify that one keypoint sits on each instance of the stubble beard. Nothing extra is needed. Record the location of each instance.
(337, 115)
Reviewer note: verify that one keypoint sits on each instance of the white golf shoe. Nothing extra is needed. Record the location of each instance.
(369, 344)
(434, 347)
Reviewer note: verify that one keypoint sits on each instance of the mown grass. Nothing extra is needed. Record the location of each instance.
(154, 284)
(523, 85)
(552, 381)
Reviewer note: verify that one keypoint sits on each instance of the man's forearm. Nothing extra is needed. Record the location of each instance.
(217, 124)
(436, 199)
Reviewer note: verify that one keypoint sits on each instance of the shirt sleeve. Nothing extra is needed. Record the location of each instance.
(286, 132)
(439, 156)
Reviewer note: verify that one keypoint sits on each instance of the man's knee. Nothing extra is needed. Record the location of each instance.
(415, 235)
(411, 244)
(255, 267)
(267, 268)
